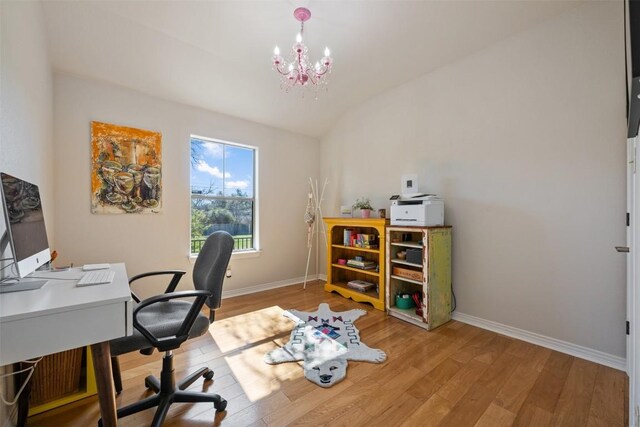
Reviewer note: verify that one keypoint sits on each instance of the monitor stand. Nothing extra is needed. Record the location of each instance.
(21, 285)
(15, 284)
(4, 241)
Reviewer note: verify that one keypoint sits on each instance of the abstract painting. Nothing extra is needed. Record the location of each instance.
(126, 169)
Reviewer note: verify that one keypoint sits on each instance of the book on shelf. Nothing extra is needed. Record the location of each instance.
(361, 285)
(359, 240)
(349, 237)
(368, 267)
(360, 264)
(366, 241)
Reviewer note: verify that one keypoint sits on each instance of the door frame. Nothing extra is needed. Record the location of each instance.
(633, 284)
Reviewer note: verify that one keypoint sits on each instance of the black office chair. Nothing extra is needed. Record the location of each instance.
(164, 322)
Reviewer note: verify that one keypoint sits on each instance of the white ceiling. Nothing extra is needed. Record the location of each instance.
(217, 54)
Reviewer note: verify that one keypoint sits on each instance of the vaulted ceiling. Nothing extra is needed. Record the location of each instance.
(217, 54)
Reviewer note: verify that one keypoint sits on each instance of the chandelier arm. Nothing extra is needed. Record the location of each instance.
(294, 76)
(282, 69)
(324, 70)
(312, 78)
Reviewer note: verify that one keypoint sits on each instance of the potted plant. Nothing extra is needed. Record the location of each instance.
(364, 205)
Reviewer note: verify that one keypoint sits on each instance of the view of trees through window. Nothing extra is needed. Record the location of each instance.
(222, 192)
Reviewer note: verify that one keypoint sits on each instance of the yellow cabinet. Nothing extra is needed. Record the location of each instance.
(419, 264)
(356, 259)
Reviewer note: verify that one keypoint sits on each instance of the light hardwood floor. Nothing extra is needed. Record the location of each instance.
(456, 375)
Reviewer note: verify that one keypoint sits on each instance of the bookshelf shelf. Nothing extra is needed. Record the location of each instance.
(348, 292)
(372, 273)
(356, 248)
(407, 245)
(405, 279)
(400, 261)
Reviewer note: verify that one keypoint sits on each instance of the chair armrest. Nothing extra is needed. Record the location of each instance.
(172, 342)
(177, 275)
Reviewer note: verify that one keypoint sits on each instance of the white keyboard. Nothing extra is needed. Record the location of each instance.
(96, 277)
(88, 267)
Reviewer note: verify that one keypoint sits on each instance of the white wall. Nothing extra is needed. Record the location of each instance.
(26, 120)
(153, 242)
(26, 101)
(526, 142)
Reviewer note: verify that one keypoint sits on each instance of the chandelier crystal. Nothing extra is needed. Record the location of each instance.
(299, 71)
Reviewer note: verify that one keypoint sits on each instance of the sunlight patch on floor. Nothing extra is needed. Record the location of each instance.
(250, 328)
(243, 340)
(258, 379)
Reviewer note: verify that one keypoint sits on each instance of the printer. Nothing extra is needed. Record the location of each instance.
(417, 210)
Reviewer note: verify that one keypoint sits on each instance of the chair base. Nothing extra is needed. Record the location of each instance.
(167, 393)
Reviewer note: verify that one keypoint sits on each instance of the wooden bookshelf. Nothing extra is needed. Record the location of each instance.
(339, 275)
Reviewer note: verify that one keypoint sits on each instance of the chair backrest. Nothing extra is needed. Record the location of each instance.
(211, 266)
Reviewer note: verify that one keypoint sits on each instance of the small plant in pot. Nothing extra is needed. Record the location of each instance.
(364, 205)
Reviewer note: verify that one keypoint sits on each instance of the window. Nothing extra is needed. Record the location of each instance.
(223, 192)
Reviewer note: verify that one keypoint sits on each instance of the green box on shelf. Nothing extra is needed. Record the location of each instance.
(404, 301)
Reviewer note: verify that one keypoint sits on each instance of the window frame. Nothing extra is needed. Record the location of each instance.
(237, 253)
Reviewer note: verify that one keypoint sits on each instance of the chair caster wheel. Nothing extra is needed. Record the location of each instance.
(221, 406)
(208, 375)
(147, 383)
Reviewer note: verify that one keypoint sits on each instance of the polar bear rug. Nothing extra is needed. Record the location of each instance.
(324, 341)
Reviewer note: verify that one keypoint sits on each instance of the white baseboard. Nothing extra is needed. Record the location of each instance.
(592, 355)
(266, 286)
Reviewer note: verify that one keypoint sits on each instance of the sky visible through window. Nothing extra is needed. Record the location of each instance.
(221, 167)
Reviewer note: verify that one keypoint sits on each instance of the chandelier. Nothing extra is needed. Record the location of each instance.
(299, 71)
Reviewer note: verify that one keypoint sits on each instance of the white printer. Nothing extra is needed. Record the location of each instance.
(417, 209)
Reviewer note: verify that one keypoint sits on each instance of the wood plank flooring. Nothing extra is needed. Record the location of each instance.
(456, 375)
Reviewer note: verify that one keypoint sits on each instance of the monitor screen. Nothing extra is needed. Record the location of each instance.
(25, 224)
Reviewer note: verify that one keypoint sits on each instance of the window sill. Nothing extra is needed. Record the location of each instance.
(235, 255)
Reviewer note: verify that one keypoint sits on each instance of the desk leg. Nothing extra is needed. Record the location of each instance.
(23, 401)
(104, 380)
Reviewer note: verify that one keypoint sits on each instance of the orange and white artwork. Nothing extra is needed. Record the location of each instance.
(126, 169)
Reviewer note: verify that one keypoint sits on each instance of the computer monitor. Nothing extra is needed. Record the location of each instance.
(25, 224)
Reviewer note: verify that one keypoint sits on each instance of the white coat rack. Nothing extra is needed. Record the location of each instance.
(313, 218)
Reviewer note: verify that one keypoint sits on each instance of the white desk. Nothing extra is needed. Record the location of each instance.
(60, 316)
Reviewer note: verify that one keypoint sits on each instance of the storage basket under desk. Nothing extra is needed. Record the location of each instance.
(62, 378)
